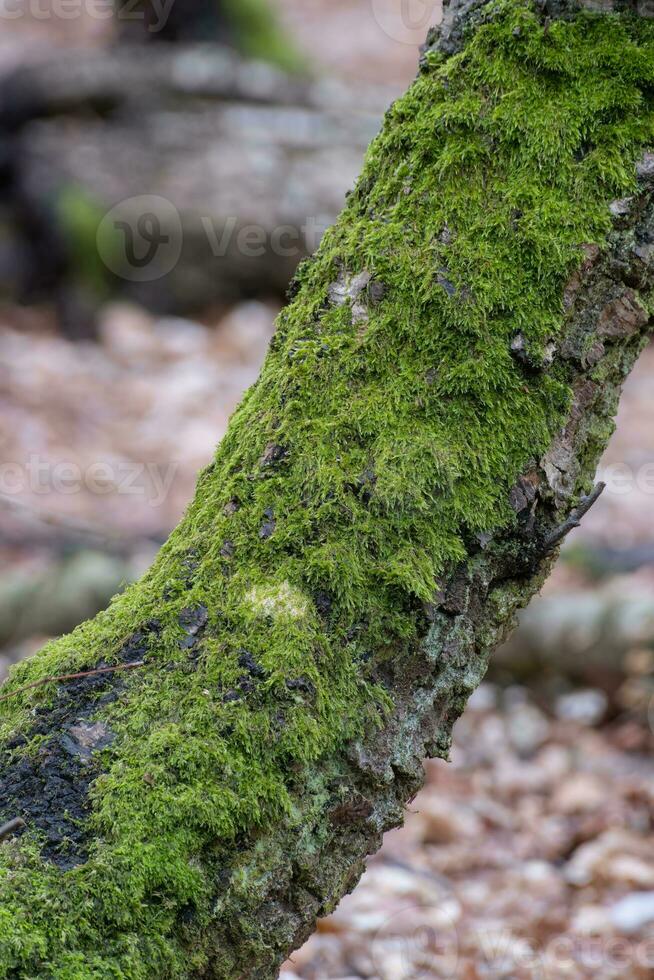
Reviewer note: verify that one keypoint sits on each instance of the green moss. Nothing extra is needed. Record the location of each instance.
(384, 432)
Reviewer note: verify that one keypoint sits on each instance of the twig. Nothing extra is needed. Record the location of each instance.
(72, 677)
(574, 520)
(11, 826)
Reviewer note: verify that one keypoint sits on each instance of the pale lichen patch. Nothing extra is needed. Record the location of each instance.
(278, 601)
(349, 288)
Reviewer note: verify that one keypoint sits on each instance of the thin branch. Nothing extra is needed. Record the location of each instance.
(72, 677)
(574, 520)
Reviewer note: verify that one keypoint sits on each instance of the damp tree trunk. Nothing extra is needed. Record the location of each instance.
(190, 780)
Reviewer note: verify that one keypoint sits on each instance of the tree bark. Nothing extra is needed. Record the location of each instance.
(387, 497)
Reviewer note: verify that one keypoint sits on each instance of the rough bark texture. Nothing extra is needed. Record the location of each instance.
(432, 409)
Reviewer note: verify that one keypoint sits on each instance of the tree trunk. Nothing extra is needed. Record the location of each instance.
(389, 493)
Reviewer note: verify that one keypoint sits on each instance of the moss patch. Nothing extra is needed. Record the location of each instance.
(392, 417)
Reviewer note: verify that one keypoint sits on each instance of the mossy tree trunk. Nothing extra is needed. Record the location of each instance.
(389, 493)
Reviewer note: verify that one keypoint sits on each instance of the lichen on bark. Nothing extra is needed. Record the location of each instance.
(433, 404)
